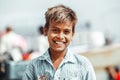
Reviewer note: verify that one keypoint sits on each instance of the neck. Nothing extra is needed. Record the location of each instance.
(57, 54)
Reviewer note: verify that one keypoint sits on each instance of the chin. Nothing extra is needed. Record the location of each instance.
(59, 49)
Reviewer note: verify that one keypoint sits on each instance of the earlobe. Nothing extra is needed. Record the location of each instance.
(45, 31)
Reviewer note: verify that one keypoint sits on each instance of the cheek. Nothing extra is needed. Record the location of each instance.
(70, 37)
(50, 36)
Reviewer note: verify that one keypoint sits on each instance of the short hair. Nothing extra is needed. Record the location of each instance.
(60, 14)
(8, 29)
(40, 30)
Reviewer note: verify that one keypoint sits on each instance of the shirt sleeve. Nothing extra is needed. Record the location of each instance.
(90, 74)
(29, 73)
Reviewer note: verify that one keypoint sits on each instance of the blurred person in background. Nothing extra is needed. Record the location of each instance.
(58, 62)
(12, 44)
(2, 33)
(40, 45)
(26, 56)
(42, 42)
(113, 72)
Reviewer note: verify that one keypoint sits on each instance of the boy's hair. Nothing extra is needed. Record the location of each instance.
(60, 14)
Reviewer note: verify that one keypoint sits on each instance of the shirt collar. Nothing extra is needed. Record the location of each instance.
(45, 56)
(68, 58)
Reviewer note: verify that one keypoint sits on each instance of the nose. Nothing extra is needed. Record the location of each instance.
(60, 35)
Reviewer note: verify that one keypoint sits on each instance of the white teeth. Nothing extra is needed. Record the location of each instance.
(59, 42)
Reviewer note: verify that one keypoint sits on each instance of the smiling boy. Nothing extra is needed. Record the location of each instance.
(58, 62)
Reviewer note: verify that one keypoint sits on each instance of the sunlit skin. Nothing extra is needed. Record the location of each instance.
(59, 37)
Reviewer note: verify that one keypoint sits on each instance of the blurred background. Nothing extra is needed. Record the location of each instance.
(97, 34)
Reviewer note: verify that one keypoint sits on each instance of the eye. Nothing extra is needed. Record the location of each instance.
(66, 31)
(55, 30)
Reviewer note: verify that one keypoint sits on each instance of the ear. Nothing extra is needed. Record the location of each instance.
(45, 31)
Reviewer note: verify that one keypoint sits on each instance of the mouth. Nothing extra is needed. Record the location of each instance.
(59, 42)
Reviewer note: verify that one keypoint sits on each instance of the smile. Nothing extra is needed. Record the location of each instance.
(59, 42)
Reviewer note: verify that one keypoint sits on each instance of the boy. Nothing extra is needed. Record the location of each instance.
(58, 62)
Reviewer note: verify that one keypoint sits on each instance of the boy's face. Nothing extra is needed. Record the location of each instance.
(59, 35)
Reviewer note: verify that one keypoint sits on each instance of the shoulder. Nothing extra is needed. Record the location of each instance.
(84, 64)
(80, 57)
(35, 61)
(82, 60)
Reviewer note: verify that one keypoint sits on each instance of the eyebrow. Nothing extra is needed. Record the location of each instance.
(54, 27)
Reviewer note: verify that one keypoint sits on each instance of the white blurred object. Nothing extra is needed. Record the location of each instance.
(42, 43)
(16, 54)
(92, 38)
(12, 40)
(79, 48)
(35, 55)
(98, 39)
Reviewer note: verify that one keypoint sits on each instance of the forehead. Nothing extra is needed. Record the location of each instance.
(66, 24)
